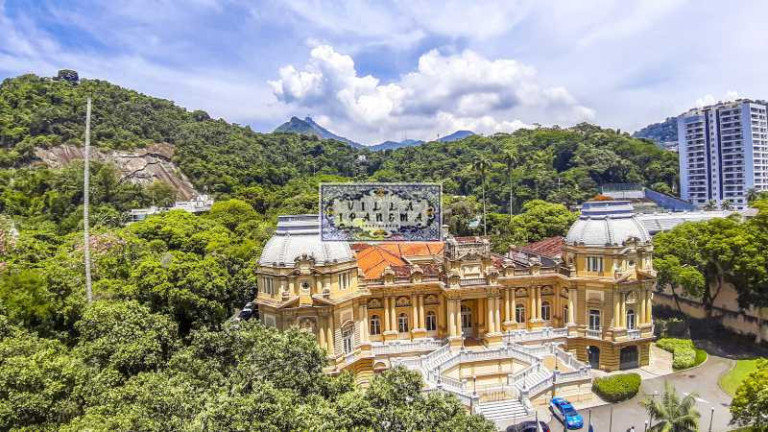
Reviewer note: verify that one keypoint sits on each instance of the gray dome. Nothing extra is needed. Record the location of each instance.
(299, 235)
(606, 223)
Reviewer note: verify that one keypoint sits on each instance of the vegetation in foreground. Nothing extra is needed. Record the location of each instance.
(702, 257)
(670, 413)
(750, 404)
(731, 380)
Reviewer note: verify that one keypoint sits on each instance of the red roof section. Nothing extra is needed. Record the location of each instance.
(372, 259)
(549, 247)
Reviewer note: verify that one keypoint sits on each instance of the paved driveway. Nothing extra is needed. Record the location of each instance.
(702, 380)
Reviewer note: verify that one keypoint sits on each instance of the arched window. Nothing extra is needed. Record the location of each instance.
(402, 323)
(545, 311)
(346, 335)
(431, 321)
(565, 313)
(375, 325)
(520, 313)
(630, 319)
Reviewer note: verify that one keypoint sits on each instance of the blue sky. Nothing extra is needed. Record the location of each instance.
(389, 69)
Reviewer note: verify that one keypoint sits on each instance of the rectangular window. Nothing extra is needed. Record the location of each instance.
(431, 321)
(595, 264)
(343, 281)
(375, 325)
(594, 319)
(267, 285)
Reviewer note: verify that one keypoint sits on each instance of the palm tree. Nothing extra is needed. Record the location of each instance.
(671, 413)
(480, 165)
(511, 159)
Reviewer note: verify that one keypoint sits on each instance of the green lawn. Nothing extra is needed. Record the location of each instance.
(731, 380)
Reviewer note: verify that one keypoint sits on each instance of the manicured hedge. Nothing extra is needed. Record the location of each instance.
(671, 344)
(617, 388)
(684, 353)
(683, 358)
(701, 356)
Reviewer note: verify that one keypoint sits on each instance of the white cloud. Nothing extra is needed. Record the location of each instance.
(708, 99)
(444, 93)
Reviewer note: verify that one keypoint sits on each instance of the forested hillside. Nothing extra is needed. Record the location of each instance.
(558, 165)
(661, 132)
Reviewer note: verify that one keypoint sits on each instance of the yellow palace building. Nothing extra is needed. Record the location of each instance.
(501, 332)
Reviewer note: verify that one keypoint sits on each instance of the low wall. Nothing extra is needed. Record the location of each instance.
(730, 317)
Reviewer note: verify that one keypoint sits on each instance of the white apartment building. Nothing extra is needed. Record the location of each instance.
(723, 152)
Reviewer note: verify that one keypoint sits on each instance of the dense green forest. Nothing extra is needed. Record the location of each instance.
(559, 165)
(153, 352)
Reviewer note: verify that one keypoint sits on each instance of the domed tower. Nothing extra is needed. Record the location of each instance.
(311, 284)
(609, 253)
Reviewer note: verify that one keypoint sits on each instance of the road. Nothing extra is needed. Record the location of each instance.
(702, 380)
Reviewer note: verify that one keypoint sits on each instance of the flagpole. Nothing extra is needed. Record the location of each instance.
(87, 203)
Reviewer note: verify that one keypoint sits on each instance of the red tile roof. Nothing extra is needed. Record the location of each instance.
(372, 259)
(549, 247)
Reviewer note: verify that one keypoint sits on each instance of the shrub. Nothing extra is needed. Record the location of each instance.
(683, 358)
(684, 353)
(671, 344)
(701, 356)
(617, 388)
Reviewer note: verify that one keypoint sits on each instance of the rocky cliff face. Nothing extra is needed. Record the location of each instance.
(142, 166)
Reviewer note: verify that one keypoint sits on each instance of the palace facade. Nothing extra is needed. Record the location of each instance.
(585, 302)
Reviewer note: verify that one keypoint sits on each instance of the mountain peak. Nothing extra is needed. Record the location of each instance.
(459, 134)
(310, 127)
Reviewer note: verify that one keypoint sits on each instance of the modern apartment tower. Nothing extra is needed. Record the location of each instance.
(723, 152)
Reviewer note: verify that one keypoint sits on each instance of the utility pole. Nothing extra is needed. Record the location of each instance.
(86, 203)
(610, 421)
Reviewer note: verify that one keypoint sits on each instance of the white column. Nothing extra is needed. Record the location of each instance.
(363, 312)
(393, 313)
(497, 311)
(458, 318)
(491, 325)
(451, 317)
(513, 305)
(507, 306)
(330, 335)
(422, 319)
(571, 306)
(387, 320)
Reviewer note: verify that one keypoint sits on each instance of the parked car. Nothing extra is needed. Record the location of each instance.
(566, 413)
(528, 426)
(247, 312)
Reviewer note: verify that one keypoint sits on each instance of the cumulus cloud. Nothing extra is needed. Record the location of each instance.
(444, 93)
(708, 99)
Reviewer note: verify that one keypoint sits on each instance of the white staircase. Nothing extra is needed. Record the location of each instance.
(503, 413)
(534, 377)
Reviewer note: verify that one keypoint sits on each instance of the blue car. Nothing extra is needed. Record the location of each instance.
(564, 411)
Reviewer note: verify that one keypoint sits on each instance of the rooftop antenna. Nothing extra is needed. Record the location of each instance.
(86, 203)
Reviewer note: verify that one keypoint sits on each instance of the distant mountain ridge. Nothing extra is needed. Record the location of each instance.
(459, 134)
(307, 126)
(391, 145)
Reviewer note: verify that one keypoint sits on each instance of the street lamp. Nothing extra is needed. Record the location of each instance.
(646, 426)
(711, 417)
